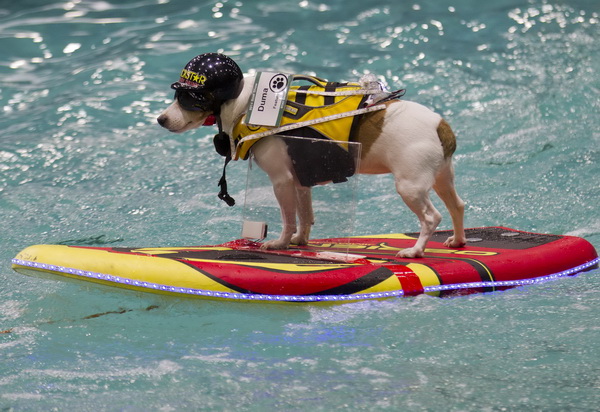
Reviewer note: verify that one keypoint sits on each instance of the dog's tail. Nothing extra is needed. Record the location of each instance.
(447, 138)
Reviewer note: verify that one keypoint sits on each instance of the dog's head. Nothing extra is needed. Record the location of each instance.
(206, 82)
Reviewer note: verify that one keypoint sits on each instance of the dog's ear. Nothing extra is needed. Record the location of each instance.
(222, 145)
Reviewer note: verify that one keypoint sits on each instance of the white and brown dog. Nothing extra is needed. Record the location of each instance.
(405, 139)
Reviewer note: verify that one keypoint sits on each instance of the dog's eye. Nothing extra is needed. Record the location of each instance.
(190, 101)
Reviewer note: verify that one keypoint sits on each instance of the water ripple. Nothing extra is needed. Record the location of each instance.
(81, 159)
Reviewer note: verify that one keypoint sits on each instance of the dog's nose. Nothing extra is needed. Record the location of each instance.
(162, 119)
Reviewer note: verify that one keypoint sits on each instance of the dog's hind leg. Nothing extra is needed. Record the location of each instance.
(305, 215)
(444, 187)
(417, 199)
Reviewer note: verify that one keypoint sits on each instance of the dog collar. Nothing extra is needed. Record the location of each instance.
(210, 120)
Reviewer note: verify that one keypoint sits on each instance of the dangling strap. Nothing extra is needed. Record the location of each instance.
(223, 195)
(396, 94)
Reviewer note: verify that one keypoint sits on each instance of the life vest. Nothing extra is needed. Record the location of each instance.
(303, 104)
(324, 110)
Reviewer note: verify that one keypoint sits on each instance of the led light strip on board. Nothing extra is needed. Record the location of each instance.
(297, 298)
(513, 283)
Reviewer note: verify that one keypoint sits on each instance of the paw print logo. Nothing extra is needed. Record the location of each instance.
(278, 83)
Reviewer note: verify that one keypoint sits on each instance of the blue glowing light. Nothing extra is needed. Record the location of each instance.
(297, 298)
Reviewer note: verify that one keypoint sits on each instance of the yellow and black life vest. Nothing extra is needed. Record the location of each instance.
(305, 104)
(324, 111)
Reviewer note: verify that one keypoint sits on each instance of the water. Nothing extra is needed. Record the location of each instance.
(82, 161)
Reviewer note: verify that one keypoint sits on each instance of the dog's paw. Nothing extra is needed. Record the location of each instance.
(410, 253)
(452, 242)
(299, 240)
(275, 244)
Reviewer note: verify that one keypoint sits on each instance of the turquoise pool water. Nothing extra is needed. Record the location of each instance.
(83, 161)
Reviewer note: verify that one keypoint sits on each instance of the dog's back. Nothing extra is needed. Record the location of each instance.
(406, 131)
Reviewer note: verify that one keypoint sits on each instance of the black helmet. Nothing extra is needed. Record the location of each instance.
(207, 81)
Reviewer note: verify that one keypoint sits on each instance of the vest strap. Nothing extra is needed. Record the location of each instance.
(339, 93)
(292, 126)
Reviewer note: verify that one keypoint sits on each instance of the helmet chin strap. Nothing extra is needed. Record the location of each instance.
(222, 145)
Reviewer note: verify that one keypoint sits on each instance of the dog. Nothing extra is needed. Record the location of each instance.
(405, 139)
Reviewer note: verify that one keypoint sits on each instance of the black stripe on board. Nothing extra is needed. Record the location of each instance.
(369, 280)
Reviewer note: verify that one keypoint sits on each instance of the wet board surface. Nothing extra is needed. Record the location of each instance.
(331, 270)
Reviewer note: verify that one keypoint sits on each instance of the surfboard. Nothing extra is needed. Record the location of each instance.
(326, 270)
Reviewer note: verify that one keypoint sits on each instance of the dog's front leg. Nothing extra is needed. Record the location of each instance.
(271, 156)
(305, 215)
(285, 192)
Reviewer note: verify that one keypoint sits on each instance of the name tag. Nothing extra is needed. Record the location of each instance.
(268, 98)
